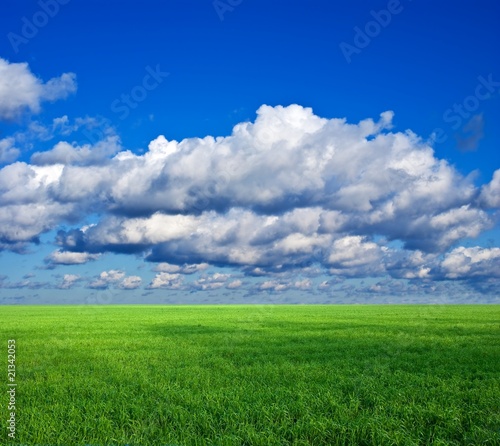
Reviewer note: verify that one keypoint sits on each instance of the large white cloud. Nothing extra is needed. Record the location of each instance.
(472, 262)
(354, 256)
(8, 151)
(26, 208)
(286, 191)
(21, 90)
(490, 193)
(66, 153)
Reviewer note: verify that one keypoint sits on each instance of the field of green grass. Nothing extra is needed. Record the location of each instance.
(254, 375)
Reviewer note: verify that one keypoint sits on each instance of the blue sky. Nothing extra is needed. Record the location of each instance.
(249, 151)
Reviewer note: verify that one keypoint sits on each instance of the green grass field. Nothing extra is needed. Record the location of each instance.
(254, 375)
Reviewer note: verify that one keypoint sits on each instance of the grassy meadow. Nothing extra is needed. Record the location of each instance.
(254, 375)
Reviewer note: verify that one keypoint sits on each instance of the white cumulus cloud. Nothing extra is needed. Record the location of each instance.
(107, 278)
(290, 190)
(472, 262)
(490, 193)
(69, 281)
(21, 90)
(166, 281)
(8, 151)
(131, 283)
(70, 258)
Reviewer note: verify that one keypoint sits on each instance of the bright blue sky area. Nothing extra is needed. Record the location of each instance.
(428, 59)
